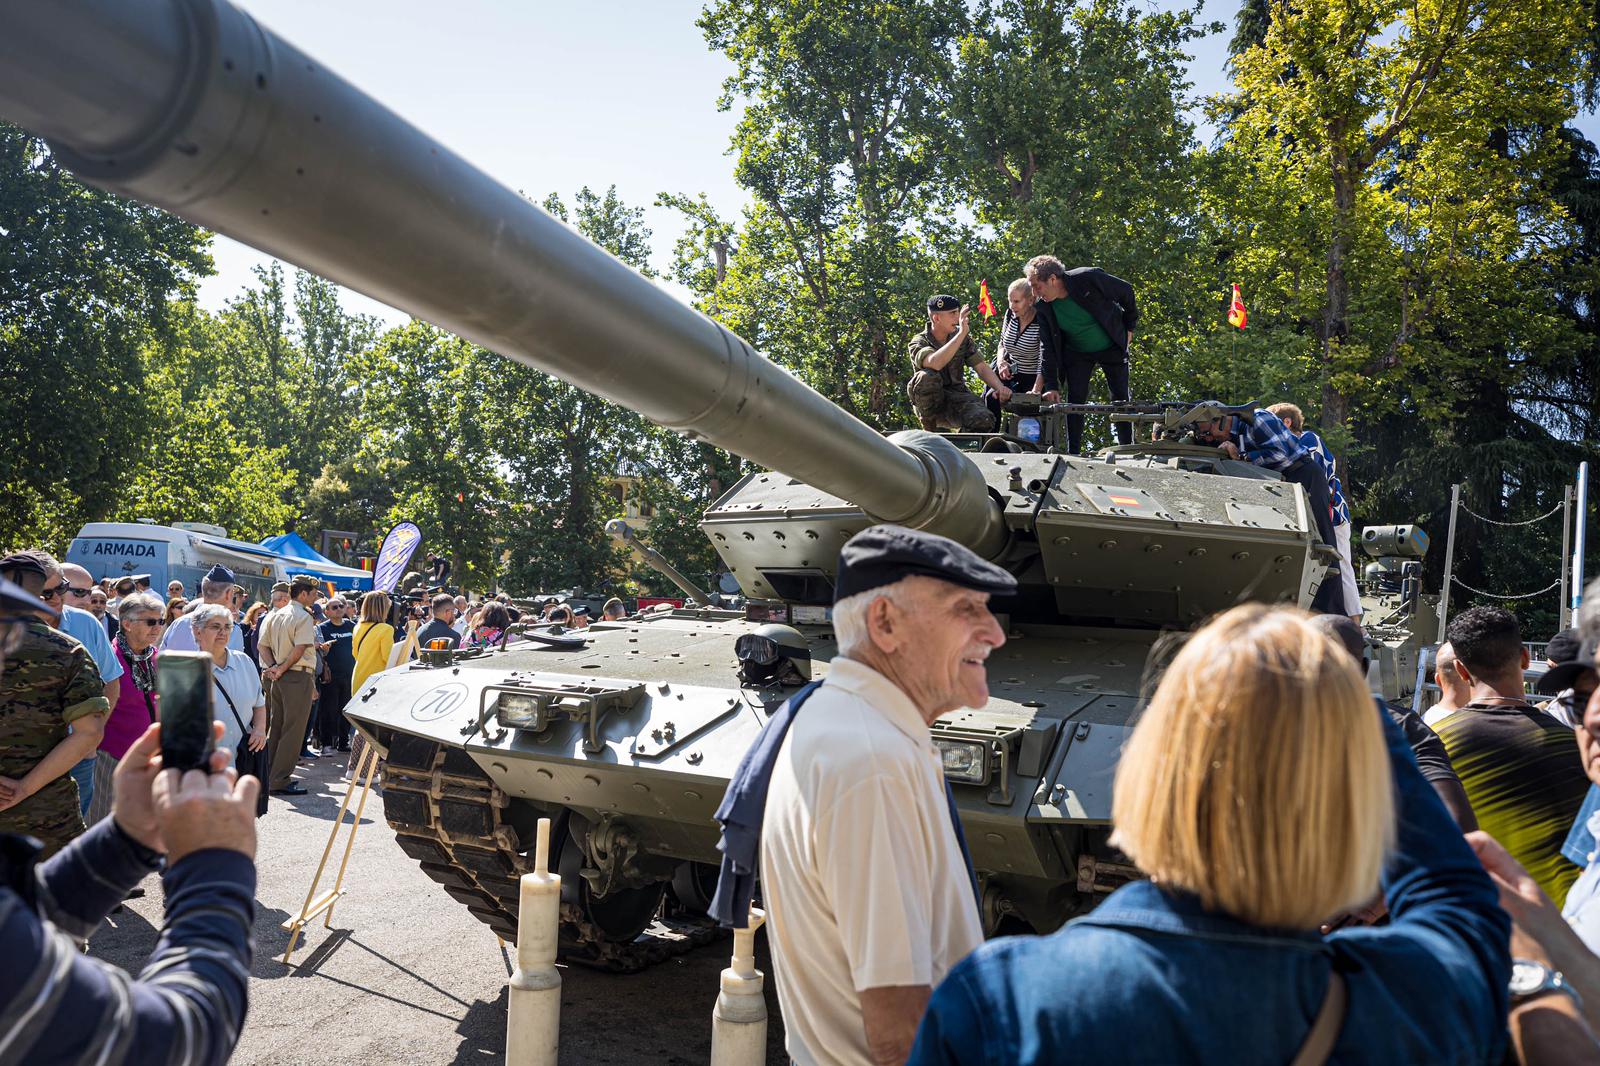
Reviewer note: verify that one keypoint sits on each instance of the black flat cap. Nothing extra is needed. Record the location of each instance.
(1560, 677)
(884, 554)
(13, 597)
(1563, 646)
(943, 303)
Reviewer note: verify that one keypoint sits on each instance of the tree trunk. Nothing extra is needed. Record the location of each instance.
(1336, 310)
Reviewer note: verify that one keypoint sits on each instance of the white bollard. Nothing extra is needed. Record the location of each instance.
(739, 1020)
(533, 1011)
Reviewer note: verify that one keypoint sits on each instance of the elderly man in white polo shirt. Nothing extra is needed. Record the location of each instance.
(864, 872)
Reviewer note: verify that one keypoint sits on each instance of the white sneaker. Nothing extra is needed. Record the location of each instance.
(328, 749)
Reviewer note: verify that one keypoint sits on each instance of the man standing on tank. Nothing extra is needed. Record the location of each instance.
(940, 356)
(1088, 318)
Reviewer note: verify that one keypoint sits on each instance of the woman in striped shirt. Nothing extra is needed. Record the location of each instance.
(1019, 359)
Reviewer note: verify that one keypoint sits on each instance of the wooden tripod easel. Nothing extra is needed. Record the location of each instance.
(323, 904)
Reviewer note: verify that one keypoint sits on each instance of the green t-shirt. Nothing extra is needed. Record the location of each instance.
(1525, 779)
(1078, 327)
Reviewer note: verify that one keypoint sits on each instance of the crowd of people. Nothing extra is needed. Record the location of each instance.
(1327, 877)
(1058, 326)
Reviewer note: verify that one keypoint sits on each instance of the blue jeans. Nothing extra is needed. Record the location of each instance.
(83, 774)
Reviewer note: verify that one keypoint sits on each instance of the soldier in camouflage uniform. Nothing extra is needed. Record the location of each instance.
(940, 356)
(50, 684)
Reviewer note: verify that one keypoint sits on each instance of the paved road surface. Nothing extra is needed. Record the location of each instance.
(407, 976)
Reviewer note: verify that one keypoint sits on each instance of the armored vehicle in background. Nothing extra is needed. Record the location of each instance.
(628, 735)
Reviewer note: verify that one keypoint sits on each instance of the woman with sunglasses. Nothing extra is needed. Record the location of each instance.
(138, 628)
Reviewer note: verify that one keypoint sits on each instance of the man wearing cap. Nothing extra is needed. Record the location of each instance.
(52, 712)
(289, 638)
(216, 587)
(940, 355)
(869, 892)
(1263, 440)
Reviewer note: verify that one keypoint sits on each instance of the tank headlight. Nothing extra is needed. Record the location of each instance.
(519, 710)
(966, 761)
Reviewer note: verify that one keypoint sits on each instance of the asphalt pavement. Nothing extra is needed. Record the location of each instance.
(406, 975)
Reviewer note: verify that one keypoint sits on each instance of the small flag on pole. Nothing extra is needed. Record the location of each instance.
(985, 301)
(1237, 316)
(461, 497)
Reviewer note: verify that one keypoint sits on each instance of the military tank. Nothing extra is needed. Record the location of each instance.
(627, 732)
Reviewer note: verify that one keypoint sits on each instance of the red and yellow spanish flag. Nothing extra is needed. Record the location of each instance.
(1237, 316)
(985, 301)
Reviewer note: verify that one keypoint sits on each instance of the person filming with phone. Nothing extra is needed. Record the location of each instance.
(188, 1004)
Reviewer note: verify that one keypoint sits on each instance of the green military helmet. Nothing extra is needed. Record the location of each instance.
(773, 655)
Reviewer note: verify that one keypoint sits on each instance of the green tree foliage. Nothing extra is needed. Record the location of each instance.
(1405, 253)
(85, 283)
(841, 136)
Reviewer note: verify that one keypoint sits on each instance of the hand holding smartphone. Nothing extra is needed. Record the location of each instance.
(184, 683)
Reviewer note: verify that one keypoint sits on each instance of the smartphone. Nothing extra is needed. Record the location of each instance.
(184, 683)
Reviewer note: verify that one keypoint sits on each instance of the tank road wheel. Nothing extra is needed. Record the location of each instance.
(621, 914)
(473, 840)
(693, 885)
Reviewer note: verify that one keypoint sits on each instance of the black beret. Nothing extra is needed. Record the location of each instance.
(884, 554)
(1561, 676)
(14, 597)
(1563, 646)
(220, 575)
(943, 303)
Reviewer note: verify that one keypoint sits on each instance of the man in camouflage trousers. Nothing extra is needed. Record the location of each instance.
(940, 356)
(52, 714)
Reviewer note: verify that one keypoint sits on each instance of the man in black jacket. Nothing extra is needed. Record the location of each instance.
(1088, 318)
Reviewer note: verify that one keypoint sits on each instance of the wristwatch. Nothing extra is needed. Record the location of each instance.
(1530, 979)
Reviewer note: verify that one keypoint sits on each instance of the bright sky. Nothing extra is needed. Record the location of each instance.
(549, 97)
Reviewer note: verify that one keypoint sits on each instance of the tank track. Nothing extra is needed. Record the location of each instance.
(451, 818)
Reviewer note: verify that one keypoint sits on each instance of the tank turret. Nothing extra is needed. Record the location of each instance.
(626, 732)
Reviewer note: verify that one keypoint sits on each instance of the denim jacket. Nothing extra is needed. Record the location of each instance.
(1151, 977)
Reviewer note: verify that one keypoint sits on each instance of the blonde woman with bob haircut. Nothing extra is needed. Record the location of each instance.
(1262, 792)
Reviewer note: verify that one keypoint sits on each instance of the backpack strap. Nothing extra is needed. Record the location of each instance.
(1318, 1047)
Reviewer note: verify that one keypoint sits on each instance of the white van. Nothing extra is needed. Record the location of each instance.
(187, 550)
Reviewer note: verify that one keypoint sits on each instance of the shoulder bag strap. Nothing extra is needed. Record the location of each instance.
(370, 627)
(1318, 1047)
(242, 728)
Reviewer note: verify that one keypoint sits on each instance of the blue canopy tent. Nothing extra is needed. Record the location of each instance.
(294, 549)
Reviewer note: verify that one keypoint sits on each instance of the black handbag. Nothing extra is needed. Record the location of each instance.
(245, 761)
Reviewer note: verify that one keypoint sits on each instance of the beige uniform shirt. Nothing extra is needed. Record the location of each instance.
(291, 625)
(861, 874)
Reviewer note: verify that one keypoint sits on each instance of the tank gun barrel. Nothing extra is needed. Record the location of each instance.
(622, 533)
(192, 106)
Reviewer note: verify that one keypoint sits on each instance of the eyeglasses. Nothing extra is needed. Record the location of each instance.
(141, 621)
(53, 593)
(74, 591)
(219, 626)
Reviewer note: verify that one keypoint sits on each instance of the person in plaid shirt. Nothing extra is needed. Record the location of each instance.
(1291, 416)
(1263, 439)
